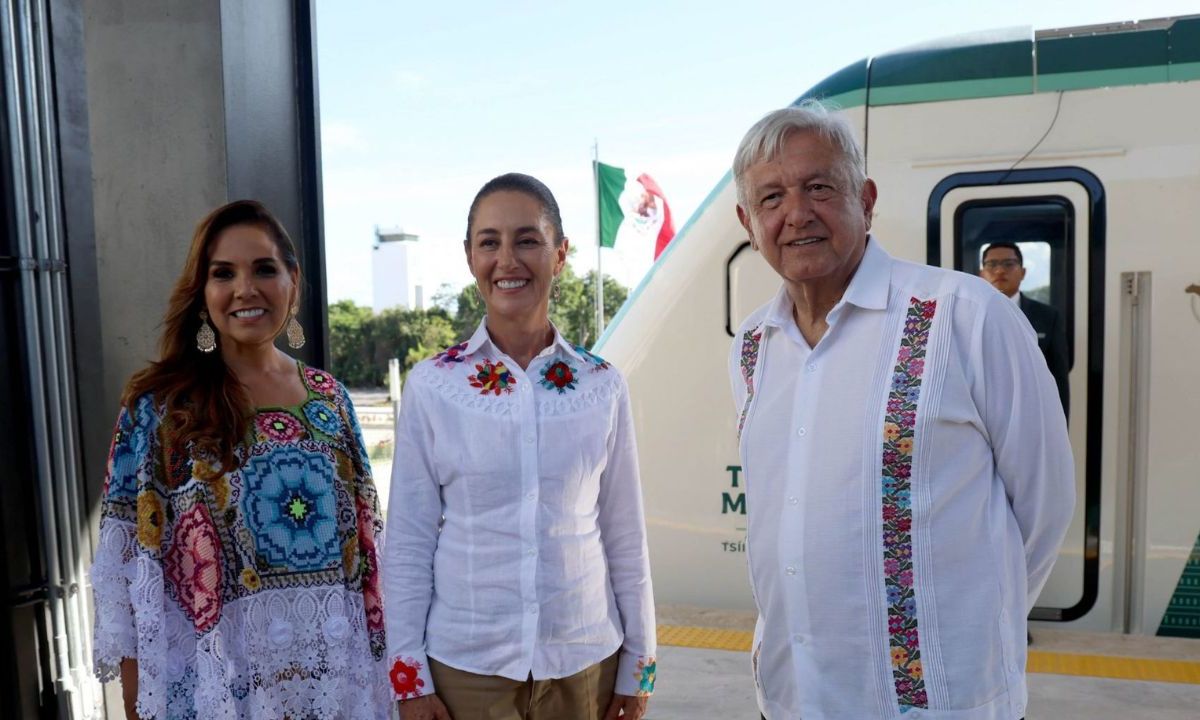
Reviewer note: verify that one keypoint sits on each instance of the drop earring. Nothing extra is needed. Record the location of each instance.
(206, 339)
(295, 332)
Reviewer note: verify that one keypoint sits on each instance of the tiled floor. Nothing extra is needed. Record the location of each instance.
(702, 682)
(695, 684)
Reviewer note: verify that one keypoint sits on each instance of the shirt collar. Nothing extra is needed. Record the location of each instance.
(1015, 297)
(481, 338)
(868, 288)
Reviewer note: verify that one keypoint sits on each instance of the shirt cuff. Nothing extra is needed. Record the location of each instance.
(409, 676)
(635, 675)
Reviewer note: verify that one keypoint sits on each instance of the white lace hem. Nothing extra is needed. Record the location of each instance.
(303, 653)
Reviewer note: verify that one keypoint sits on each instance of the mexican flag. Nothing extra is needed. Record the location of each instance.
(632, 209)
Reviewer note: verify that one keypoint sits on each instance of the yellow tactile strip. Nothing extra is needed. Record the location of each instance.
(1054, 663)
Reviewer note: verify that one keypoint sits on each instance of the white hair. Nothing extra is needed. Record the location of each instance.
(765, 140)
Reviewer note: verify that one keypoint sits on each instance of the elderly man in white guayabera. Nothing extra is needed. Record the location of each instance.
(908, 474)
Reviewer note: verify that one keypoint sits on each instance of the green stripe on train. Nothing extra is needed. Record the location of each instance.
(1182, 618)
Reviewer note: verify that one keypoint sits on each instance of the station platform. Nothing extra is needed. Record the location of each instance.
(704, 672)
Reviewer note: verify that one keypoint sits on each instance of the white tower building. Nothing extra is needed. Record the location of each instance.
(395, 270)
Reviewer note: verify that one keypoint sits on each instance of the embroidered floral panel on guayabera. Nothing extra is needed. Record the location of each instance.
(750, 345)
(898, 430)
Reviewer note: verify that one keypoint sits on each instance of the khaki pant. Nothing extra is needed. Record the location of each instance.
(582, 696)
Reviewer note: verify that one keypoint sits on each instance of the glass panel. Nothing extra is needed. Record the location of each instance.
(1042, 229)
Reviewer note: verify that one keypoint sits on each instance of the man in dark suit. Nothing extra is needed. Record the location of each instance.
(1004, 267)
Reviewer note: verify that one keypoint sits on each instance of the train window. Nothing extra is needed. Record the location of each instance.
(1042, 227)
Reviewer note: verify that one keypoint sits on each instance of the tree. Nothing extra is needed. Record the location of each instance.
(362, 342)
(349, 326)
(399, 331)
(469, 310)
(446, 298)
(575, 310)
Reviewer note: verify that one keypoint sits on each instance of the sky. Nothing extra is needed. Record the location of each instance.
(421, 102)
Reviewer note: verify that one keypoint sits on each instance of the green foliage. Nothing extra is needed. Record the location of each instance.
(361, 342)
(574, 312)
(469, 310)
(349, 328)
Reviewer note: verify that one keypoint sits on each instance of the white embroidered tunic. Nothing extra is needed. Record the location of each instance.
(252, 595)
(516, 544)
(908, 483)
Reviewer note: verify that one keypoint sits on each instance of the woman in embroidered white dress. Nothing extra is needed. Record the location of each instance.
(236, 575)
(516, 567)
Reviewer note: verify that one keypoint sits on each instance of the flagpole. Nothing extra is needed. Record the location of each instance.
(599, 274)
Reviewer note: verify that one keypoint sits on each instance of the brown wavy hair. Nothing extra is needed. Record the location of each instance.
(206, 406)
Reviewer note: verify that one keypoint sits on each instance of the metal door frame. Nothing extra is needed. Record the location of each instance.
(1094, 416)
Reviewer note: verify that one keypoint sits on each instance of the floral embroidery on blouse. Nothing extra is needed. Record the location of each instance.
(280, 427)
(369, 527)
(320, 382)
(150, 520)
(131, 440)
(192, 567)
(492, 378)
(297, 517)
(404, 678)
(898, 431)
(646, 670)
(598, 363)
(291, 510)
(751, 342)
(450, 356)
(250, 579)
(323, 417)
(557, 375)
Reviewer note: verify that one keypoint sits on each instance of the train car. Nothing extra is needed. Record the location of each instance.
(1081, 144)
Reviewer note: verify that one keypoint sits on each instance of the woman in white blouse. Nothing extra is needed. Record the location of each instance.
(515, 568)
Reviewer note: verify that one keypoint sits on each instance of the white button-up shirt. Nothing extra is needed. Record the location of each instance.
(515, 541)
(909, 481)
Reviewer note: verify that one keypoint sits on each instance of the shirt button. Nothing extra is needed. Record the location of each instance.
(793, 500)
(791, 570)
(533, 609)
(801, 432)
(812, 367)
(530, 496)
(529, 438)
(531, 552)
(798, 638)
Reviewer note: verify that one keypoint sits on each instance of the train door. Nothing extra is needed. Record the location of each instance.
(1056, 217)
